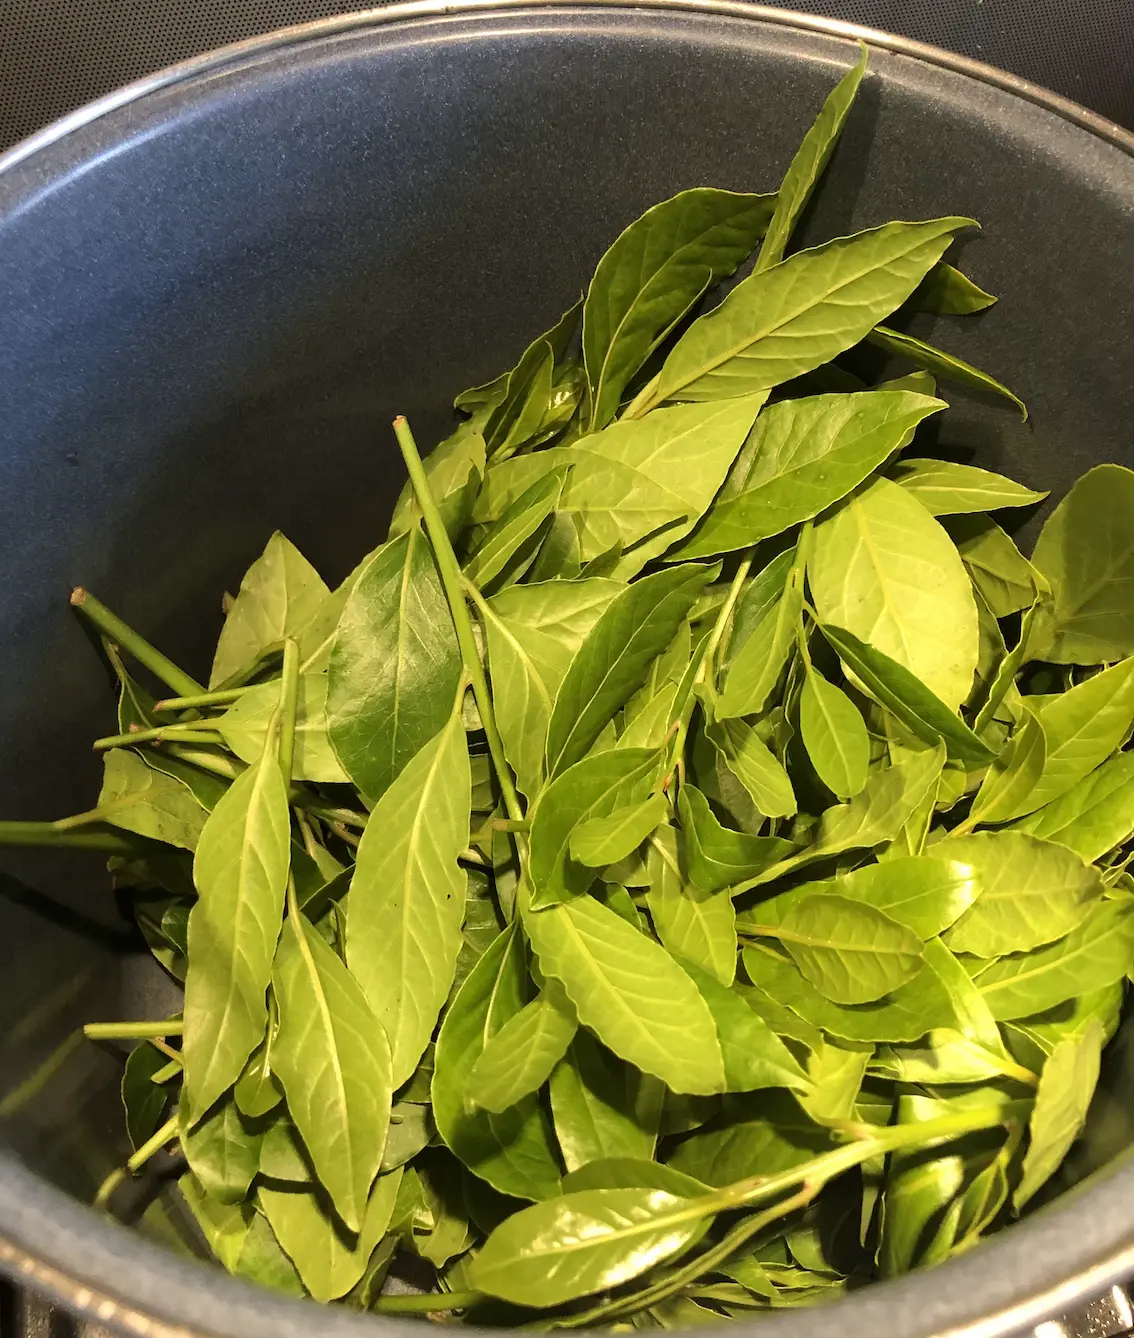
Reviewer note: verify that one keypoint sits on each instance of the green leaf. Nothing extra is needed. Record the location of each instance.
(1098, 951)
(718, 856)
(143, 1101)
(533, 633)
(882, 568)
(329, 1260)
(754, 1056)
(245, 727)
(512, 1151)
(801, 457)
(395, 665)
(945, 291)
(1086, 552)
(333, 1061)
(834, 734)
(922, 1202)
(517, 418)
(944, 1057)
(1063, 1098)
(925, 893)
(280, 593)
(256, 1093)
(139, 798)
(946, 489)
(945, 366)
(585, 1242)
(851, 952)
(653, 273)
(629, 992)
(1004, 577)
(799, 314)
(696, 926)
(596, 787)
(454, 468)
(407, 897)
(907, 696)
(645, 483)
(1031, 892)
(598, 842)
(1094, 816)
(757, 663)
(221, 1153)
(514, 530)
(808, 163)
(836, 1073)
(520, 1057)
(768, 1134)
(240, 870)
(905, 1015)
(632, 1173)
(1008, 783)
(602, 1108)
(756, 767)
(411, 1129)
(1083, 727)
(241, 1239)
(613, 661)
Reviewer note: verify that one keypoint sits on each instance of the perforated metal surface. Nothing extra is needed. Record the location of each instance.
(57, 54)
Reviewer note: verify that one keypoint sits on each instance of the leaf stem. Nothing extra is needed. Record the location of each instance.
(60, 838)
(221, 697)
(642, 402)
(124, 636)
(175, 733)
(132, 1031)
(164, 1135)
(166, 1072)
(432, 1303)
(455, 586)
(289, 708)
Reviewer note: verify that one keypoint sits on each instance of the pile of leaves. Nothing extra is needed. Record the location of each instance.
(681, 871)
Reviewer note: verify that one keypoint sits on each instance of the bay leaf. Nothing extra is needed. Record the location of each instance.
(834, 734)
(696, 926)
(245, 726)
(947, 489)
(520, 1057)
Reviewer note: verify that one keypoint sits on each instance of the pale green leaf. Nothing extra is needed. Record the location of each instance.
(520, 1057)
(944, 366)
(598, 842)
(716, 855)
(138, 798)
(757, 768)
(602, 1108)
(697, 926)
(1094, 816)
(245, 727)
(834, 734)
(946, 489)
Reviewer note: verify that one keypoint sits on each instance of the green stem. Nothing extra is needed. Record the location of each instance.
(168, 1071)
(124, 636)
(132, 1031)
(162, 1048)
(190, 733)
(431, 1304)
(60, 838)
(453, 583)
(221, 697)
(289, 707)
(216, 764)
(642, 402)
(311, 803)
(164, 1135)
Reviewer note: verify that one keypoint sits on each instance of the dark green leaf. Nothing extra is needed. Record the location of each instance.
(407, 897)
(769, 1134)
(512, 1150)
(143, 1101)
(520, 1057)
(653, 273)
(454, 468)
(717, 855)
(333, 1061)
(754, 1056)
(696, 926)
(629, 992)
(797, 315)
(801, 457)
(598, 842)
(945, 291)
(593, 788)
(945, 366)
(395, 665)
(632, 1173)
(533, 633)
(834, 734)
(907, 696)
(602, 1108)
